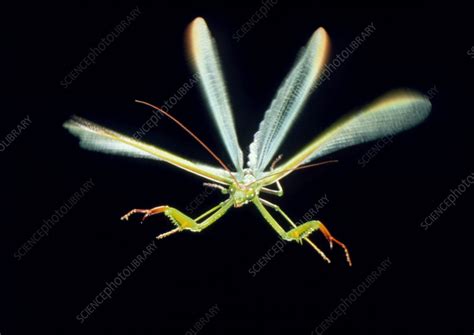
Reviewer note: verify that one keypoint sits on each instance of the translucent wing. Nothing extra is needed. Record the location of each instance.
(289, 101)
(97, 138)
(205, 60)
(392, 113)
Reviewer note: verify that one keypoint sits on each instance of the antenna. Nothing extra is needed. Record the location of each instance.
(298, 168)
(221, 163)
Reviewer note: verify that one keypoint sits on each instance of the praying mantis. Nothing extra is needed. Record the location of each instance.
(392, 113)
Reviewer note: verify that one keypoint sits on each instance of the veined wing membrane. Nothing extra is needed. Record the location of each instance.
(392, 113)
(289, 101)
(97, 138)
(205, 60)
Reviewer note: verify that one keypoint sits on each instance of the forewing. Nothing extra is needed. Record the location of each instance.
(289, 101)
(392, 113)
(205, 60)
(97, 138)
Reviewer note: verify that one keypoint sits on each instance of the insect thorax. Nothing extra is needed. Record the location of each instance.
(245, 191)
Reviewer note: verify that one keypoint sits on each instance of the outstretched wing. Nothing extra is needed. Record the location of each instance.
(205, 60)
(289, 101)
(392, 113)
(98, 138)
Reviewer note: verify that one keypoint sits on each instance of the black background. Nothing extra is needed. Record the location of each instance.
(376, 210)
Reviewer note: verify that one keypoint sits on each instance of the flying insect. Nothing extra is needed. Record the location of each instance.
(248, 182)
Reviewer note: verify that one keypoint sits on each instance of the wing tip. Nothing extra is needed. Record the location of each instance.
(407, 94)
(193, 34)
(71, 123)
(78, 124)
(199, 20)
(322, 32)
(197, 26)
(320, 40)
(421, 104)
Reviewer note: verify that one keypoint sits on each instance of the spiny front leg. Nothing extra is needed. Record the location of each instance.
(305, 229)
(181, 220)
(283, 234)
(320, 225)
(301, 232)
(331, 239)
(147, 212)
